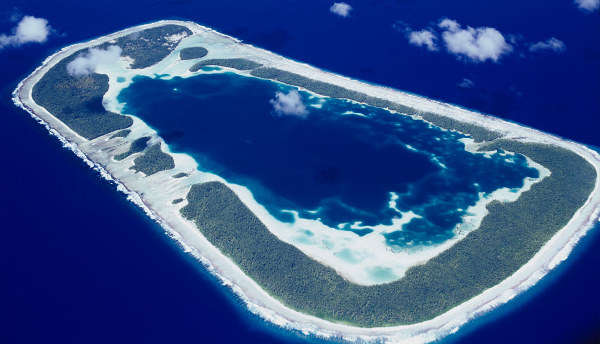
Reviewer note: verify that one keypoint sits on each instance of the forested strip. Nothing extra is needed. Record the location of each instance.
(235, 63)
(479, 134)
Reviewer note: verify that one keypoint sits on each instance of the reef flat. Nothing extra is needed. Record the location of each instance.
(514, 240)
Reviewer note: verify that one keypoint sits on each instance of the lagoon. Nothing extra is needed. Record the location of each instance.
(346, 165)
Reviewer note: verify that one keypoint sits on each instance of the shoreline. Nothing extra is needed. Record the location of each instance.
(259, 302)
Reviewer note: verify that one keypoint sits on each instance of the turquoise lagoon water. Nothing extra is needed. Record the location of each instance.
(340, 163)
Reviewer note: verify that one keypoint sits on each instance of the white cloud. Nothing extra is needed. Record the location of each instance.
(29, 30)
(552, 44)
(289, 104)
(477, 44)
(342, 9)
(449, 24)
(466, 83)
(423, 38)
(588, 5)
(88, 62)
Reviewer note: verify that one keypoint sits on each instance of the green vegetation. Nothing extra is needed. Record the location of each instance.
(148, 47)
(327, 89)
(77, 102)
(121, 133)
(180, 175)
(153, 160)
(479, 134)
(136, 146)
(192, 53)
(177, 200)
(507, 238)
(239, 64)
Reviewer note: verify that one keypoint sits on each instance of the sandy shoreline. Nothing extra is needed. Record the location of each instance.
(258, 301)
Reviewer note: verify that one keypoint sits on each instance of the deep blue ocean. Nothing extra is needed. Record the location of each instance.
(80, 264)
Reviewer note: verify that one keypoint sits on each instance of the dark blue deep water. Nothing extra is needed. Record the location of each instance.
(79, 264)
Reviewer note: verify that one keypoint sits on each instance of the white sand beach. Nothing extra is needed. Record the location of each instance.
(154, 194)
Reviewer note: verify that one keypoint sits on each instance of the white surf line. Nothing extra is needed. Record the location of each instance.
(258, 301)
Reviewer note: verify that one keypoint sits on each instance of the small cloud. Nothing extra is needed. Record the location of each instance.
(401, 26)
(88, 62)
(552, 44)
(588, 5)
(477, 44)
(29, 30)
(466, 83)
(342, 9)
(423, 38)
(449, 24)
(289, 104)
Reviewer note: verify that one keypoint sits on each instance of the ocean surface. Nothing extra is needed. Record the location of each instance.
(80, 264)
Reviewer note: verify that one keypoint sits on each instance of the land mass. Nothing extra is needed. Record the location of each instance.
(515, 245)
